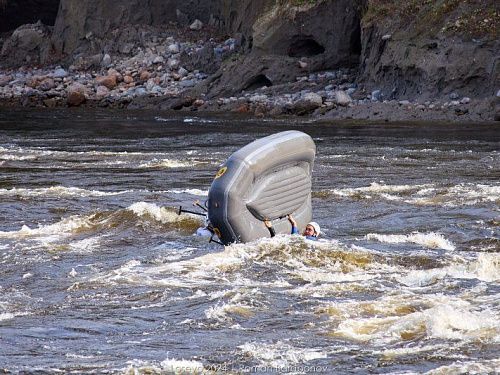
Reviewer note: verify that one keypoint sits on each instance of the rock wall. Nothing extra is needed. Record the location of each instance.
(433, 53)
(288, 41)
(79, 21)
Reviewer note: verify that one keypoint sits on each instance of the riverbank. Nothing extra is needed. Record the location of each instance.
(152, 80)
(355, 69)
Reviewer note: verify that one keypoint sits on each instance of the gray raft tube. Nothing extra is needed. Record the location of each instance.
(267, 179)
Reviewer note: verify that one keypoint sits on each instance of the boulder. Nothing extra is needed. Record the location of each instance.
(342, 98)
(47, 84)
(102, 92)
(196, 25)
(307, 104)
(28, 45)
(76, 94)
(108, 81)
(60, 73)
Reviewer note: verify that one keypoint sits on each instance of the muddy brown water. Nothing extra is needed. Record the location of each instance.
(100, 275)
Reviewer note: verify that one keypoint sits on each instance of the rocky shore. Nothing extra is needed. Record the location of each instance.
(195, 67)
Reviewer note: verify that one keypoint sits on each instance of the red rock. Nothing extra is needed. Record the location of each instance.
(198, 103)
(145, 75)
(128, 79)
(109, 81)
(242, 108)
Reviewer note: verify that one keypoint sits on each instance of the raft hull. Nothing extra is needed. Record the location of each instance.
(269, 178)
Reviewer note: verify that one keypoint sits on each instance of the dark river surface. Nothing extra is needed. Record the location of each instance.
(98, 273)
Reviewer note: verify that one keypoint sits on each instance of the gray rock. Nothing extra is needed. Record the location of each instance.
(465, 100)
(60, 73)
(102, 92)
(125, 48)
(47, 84)
(258, 98)
(174, 48)
(404, 102)
(498, 94)
(351, 91)
(187, 83)
(454, 96)
(182, 72)
(342, 98)
(4, 80)
(196, 25)
(158, 60)
(173, 63)
(376, 95)
(106, 61)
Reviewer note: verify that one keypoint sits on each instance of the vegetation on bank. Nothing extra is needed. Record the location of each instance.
(467, 18)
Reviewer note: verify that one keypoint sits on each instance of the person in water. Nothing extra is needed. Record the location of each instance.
(311, 232)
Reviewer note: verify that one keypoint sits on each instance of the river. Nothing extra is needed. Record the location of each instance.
(99, 274)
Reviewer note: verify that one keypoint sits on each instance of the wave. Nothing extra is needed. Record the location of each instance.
(280, 354)
(190, 191)
(77, 224)
(60, 192)
(167, 366)
(394, 319)
(468, 367)
(169, 163)
(485, 268)
(430, 240)
(427, 194)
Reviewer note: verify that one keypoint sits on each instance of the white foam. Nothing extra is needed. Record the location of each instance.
(473, 367)
(242, 303)
(168, 163)
(444, 317)
(485, 268)
(160, 214)
(190, 191)
(429, 240)
(65, 226)
(427, 194)
(168, 366)
(280, 354)
(182, 366)
(11, 315)
(59, 191)
(11, 157)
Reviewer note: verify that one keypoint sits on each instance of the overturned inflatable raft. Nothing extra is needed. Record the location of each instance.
(268, 179)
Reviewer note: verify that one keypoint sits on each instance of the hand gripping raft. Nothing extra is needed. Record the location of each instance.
(265, 180)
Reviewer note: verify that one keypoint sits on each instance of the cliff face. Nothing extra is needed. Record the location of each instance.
(79, 22)
(426, 49)
(401, 49)
(289, 40)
